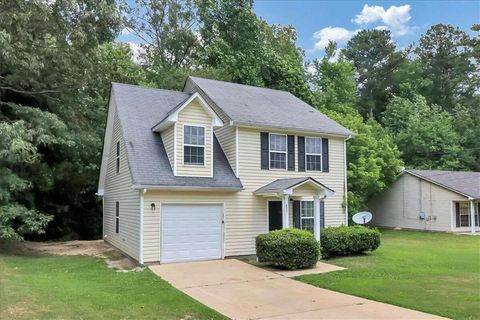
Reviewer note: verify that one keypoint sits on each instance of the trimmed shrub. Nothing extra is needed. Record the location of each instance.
(288, 249)
(344, 241)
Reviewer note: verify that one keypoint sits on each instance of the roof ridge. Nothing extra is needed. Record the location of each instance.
(148, 88)
(242, 84)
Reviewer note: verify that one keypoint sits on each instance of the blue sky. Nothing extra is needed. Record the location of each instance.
(318, 21)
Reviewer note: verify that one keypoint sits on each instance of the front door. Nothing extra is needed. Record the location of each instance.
(274, 215)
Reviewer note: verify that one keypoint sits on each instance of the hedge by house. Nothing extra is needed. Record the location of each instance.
(288, 249)
(343, 241)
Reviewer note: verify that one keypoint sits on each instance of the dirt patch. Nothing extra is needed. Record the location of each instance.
(95, 248)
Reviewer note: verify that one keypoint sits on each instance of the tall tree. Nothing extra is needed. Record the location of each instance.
(446, 55)
(46, 46)
(376, 59)
(424, 133)
(373, 160)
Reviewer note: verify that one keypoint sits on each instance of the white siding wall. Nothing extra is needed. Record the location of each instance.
(401, 205)
(246, 215)
(118, 187)
(194, 114)
(227, 138)
(169, 143)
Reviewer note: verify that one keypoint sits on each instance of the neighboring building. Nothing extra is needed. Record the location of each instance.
(430, 200)
(198, 174)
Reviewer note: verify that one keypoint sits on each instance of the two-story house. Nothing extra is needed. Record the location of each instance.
(198, 174)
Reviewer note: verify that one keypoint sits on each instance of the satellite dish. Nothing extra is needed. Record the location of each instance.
(362, 217)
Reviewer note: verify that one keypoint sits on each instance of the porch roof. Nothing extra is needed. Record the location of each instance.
(286, 186)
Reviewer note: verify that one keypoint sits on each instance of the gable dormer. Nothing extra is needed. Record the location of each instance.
(187, 134)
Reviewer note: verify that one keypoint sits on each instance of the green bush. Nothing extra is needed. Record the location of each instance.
(344, 241)
(288, 249)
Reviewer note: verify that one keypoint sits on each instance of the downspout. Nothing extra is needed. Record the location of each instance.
(142, 192)
(345, 177)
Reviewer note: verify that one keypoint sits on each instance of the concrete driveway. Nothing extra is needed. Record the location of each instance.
(242, 291)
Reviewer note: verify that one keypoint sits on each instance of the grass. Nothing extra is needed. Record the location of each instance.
(437, 273)
(79, 287)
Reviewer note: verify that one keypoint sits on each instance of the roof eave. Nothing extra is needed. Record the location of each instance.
(306, 131)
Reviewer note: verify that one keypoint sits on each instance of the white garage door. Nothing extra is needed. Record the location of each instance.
(191, 232)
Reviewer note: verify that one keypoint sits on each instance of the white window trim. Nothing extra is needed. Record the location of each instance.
(204, 146)
(306, 218)
(468, 214)
(118, 151)
(314, 154)
(285, 152)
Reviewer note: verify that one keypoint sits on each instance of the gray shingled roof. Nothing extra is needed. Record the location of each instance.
(248, 105)
(283, 184)
(139, 109)
(465, 182)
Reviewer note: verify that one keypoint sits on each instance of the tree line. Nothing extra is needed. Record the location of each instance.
(417, 107)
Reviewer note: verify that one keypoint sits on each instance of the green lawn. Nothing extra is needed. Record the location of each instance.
(433, 272)
(77, 287)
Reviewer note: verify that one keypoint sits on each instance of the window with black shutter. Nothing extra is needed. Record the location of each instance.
(301, 153)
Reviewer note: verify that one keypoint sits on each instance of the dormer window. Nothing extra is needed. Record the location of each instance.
(278, 151)
(193, 145)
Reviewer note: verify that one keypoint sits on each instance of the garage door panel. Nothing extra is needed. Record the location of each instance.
(191, 232)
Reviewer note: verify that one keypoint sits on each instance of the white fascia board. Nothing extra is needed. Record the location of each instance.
(185, 188)
(173, 118)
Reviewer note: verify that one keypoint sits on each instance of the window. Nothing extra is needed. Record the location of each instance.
(117, 217)
(307, 217)
(278, 151)
(313, 154)
(193, 145)
(117, 159)
(463, 215)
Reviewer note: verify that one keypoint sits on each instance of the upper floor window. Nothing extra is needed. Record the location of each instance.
(313, 154)
(194, 145)
(117, 159)
(278, 151)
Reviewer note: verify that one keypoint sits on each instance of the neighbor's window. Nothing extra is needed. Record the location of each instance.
(117, 159)
(193, 145)
(278, 151)
(313, 154)
(463, 215)
(307, 217)
(117, 217)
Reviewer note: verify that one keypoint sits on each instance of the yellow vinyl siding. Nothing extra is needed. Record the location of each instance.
(118, 187)
(227, 138)
(195, 115)
(169, 143)
(246, 215)
(402, 203)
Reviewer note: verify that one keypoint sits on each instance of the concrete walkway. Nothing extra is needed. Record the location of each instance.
(242, 291)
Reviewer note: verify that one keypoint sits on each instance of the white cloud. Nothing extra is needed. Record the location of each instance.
(336, 34)
(126, 31)
(394, 18)
(137, 52)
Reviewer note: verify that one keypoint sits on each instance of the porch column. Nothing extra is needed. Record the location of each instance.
(472, 216)
(285, 210)
(316, 220)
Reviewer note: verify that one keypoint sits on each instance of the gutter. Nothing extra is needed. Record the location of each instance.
(185, 188)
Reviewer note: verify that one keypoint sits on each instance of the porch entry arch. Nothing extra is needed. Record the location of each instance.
(297, 188)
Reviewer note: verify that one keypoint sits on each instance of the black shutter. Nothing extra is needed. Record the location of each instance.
(296, 214)
(322, 214)
(457, 214)
(301, 153)
(324, 155)
(291, 153)
(264, 150)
